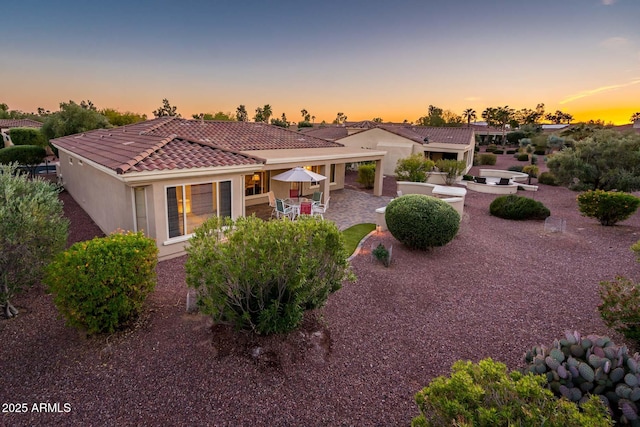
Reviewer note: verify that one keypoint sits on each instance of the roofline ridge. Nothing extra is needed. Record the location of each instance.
(225, 150)
(144, 154)
(160, 123)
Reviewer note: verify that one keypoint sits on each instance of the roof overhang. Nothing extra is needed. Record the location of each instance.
(295, 157)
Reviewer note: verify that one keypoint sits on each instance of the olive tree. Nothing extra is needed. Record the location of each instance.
(32, 231)
(415, 168)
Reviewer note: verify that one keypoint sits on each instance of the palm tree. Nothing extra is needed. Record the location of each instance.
(266, 112)
(313, 119)
(469, 114)
(635, 117)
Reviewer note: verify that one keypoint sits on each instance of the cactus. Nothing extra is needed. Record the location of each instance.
(577, 366)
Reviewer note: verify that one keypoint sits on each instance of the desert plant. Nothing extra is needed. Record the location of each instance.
(487, 159)
(491, 148)
(498, 151)
(32, 229)
(517, 207)
(576, 366)
(415, 168)
(532, 171)
(367, 175)
(100, 285)
(486, 394)
(422, 222)
(452, 168)
(547, 178)
(382, 254)
(523, 157)
(511, 151)
(262, 276)
(608, 207)
(534, 159)
(515, 168)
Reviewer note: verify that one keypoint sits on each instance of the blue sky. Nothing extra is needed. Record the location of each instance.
(366, 59)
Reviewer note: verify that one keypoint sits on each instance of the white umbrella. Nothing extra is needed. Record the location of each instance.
(299, 175)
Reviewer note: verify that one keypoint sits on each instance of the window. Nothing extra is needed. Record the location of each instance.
(257, 183)
(188, 206)
(318, 169)
(140, 205)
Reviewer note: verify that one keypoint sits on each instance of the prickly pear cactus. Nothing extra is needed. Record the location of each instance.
(577, 367)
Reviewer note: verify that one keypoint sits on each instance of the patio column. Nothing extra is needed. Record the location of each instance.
(325, 184)
(377, 184)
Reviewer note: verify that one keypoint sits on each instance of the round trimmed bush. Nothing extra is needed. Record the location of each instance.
(518, 208)
(547, 178)
(422, 222)
(523, 157)
(609, 207)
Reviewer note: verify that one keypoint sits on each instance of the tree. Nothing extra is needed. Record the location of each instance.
(340, 119)
(313, 119)
(71, 119)
(469, 114)
(498, 117)
(415, 168)
(241, 114)
(32, 231)
(281, 122)
(377, 119)
(305, 115)
(219, 116)
(116, 118)
(166, 110)
(263, 114)
(433, 117)
(607, 160)
(559, 117)
(635, 117)
(451, 119)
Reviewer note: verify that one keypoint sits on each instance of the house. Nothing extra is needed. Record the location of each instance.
(166, 176)
(6, 124)
(402, 140)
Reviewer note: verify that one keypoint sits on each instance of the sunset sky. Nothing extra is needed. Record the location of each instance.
(363, 58)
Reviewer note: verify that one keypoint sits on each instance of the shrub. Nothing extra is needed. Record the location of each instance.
(517, 207)
(27, 136)
(262, 276)
(382, 254)
(414, 168)
(422, 222)
(305, 124)
(531, 170)
(487, 159)
(485, 394)
(523, 157)
(515, 168)
(100, 285)
(609, 207)
(453, 169)
(491, 148)
(512, 151)
(534, 159)
(547, 178)
(540, 151)
(33, 230)
(27, 155)
(515, 136)
(366, 175)
(499, 151)
(467, 177)
(576, 366)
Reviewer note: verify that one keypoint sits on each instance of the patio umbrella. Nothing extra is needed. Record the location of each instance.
(299, 175)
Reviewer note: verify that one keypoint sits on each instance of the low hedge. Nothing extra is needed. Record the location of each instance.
(547, 178)
(517, 207)
(523, 157)
(487, 159)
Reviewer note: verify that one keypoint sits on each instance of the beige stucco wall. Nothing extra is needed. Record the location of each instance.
(397, 147)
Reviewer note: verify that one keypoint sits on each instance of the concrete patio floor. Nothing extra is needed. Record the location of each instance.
(346, 208)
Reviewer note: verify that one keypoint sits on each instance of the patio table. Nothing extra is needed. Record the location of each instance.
(295, 205)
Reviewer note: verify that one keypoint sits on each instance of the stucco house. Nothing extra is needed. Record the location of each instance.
(402, 140)
(7, 124)
(166, 176)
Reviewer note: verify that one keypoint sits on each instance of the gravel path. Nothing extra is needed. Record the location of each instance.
(497, 289)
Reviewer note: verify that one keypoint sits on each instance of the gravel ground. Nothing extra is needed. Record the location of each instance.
(497, 289)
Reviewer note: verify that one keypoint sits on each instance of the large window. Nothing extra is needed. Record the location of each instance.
(188, 206)
(257, 183)
(332, 173)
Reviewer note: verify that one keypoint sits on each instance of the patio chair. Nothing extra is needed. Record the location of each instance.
(321, 208)
(305, 208)
(272, 202)
(480, 179)
(317, 197)
(504, 181)
(282, 209)
(293, 193)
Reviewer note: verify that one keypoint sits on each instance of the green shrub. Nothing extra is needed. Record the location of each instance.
(523, 157)
(512, 151)
(452, 168)
(515, 168)
(609, 207)
(485, 394)
(27, 155)
(262, 276)
(382, 254)
(531, 170)
(534, 159)
(27, 136)
(100, 285)
(491, 148)
(467, 177)
(540, 151)
(366, 175)
(577, 366)
(414, 168)
(487, 159)
(498, 151)
(422, 222)
(517, 207)
(305, 124)
(547, 178)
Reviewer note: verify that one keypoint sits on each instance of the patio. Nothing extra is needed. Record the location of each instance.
(346, 208)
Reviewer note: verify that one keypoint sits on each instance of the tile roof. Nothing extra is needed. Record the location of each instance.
(444, 135)
(19, 123)
(331, 133)
(173, 143)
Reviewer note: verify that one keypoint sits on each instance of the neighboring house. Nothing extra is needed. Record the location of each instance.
(6, 124)
(166, 176)
(400, 141)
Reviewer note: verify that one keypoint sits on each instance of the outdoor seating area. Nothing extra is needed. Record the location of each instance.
(494, 181)
(293, 208)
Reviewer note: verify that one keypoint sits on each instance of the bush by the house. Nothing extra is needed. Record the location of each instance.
(486, 394)
(547, 178)
(422, 222)
(415, 168)
(33, 230)
(262, 276)
(27, 136)
(366, 175)
(608, 207)
(620, 307)
(577, 366)
(100, 285)
(452, 168)
(523, 157)
(26, 155)
(517, 207)
(487, 159)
